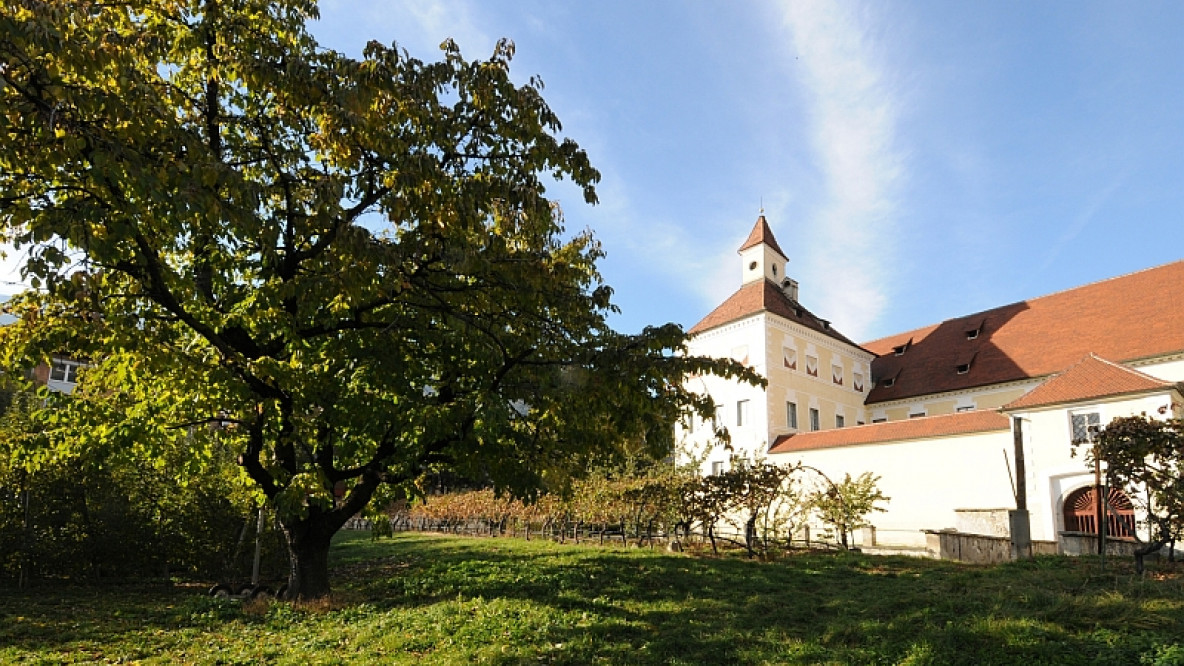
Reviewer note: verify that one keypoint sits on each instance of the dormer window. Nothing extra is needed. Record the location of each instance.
(888, 382)
(963, 365)
(973, 331)
(899, 350)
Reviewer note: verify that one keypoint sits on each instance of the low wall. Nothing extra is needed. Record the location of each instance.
(978, 548)
(988, 522)
(1082, 543)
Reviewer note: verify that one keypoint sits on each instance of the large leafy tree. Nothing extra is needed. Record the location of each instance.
(1145, 456)
(346, 268)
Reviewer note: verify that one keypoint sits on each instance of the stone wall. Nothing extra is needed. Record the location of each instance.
(977, 548)
(988, 522)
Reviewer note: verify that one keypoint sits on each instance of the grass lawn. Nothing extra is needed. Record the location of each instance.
(424, 598)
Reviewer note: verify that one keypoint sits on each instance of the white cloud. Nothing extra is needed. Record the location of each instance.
(853, 116)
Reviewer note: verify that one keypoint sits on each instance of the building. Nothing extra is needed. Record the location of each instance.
(941, 412)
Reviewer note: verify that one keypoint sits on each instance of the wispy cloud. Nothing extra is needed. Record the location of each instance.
(853, 111)
(1081, 220)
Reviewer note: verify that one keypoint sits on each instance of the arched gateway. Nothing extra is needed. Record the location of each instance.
(1081, 512)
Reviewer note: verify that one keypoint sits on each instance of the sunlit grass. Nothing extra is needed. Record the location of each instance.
(432, 599)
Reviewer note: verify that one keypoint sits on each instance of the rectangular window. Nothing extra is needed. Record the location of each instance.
(812, 366)
(741, 412)
(857, 381)
(815, 423)
(791, 414)
(880, 420)
(789, 358)
(836, 374)
(840, 421)
(916, 415)
(717, 467)
(1083, 423)
(64, 371)
(964, 408)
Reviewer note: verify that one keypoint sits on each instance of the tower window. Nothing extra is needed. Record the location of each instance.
(752, 266)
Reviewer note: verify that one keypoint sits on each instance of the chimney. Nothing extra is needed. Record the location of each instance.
(790, 288)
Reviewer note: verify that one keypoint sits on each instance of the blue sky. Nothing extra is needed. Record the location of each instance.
(916, 160)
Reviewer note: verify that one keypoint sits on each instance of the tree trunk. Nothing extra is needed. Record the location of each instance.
(308, 557)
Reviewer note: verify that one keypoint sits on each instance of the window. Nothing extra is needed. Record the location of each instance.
(741, 412)
(889, 381)
(717, 467)
(64, 371)
(916, 415)
(719, 416)
(789, 357)
(859, 423)
(814, 422)
(791, 414)
(880, 420)
(964, 408)
(1083, 423)
(857, 381)
(963, 368)
(812, 366)
(899, 350)
(836, 374)
(840, 421)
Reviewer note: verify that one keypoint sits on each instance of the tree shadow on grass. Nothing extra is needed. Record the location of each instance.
(455, 600)
(656, 608)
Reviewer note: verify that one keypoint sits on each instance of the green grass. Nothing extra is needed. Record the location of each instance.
(424, 598)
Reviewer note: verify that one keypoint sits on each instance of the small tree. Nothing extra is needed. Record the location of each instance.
(1147, 455)
(847, 504)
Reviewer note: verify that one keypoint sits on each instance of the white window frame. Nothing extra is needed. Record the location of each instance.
(791, 414)
(68, 371)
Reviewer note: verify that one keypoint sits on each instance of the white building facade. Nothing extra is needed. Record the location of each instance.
(934, 412)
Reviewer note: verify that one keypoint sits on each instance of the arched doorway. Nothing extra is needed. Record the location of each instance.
(1081, 513)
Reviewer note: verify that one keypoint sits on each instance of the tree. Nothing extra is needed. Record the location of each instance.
(1146, 456)
(348, 266)
(847, 504)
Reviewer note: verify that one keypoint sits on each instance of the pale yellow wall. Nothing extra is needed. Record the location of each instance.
(989, 397)
(821, 391)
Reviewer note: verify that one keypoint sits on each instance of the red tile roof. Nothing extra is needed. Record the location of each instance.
(1091, 377)
(764, 296)
(962, 423)
(761, 233)
(1126, 318)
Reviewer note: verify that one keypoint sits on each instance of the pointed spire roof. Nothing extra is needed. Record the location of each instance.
(1090, 378)
(761, 233)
